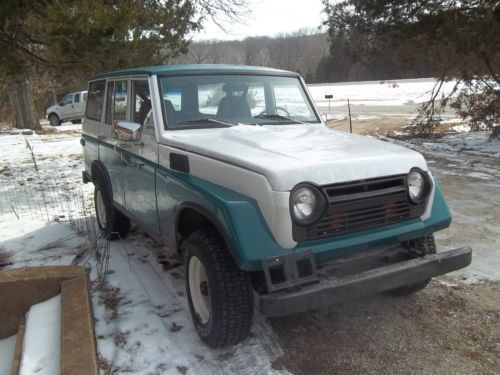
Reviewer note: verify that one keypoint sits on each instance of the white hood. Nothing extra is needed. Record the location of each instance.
(290, 154)
(52, 108)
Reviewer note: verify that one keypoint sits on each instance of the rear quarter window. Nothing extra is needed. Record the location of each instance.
(95, 100)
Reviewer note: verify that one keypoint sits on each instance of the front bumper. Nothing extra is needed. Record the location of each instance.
(335, 285)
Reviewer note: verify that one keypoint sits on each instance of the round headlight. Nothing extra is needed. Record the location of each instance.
(306, 204)
(417, 185)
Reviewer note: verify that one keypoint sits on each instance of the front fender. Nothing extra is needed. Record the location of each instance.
(237, 217)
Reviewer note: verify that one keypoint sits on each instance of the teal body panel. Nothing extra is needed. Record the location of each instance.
(242, 225)
(194, 69)
(139, 189)
(252, 241)
(112, 160)
(90, 152)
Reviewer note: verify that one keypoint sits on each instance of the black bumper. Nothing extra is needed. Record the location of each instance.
(330, 289)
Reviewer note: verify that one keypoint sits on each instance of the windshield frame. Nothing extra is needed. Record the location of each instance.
(302, 85)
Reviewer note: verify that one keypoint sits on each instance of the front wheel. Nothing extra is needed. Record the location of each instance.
(220, 295)
(416, 248)
(54, 120)
(111, 222)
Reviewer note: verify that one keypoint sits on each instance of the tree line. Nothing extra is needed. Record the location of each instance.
(300, 51)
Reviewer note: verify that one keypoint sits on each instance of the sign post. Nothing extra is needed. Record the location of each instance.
(329, 97)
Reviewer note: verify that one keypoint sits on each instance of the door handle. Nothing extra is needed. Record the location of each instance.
(127, 163)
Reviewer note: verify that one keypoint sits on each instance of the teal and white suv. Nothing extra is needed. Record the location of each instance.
(232, 169)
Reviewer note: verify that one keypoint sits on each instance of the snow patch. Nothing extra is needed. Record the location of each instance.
(7, 348)
(462, 128)
(42, 339)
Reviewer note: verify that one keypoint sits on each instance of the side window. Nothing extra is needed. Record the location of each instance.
(95, 100)
(68, 99)
(77, 98)
(120, 101)
(141, 104)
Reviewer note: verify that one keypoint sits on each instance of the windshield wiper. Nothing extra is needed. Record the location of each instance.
(280, 118)
(205, 119)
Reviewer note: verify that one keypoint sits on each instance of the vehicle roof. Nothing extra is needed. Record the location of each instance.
(196, 69)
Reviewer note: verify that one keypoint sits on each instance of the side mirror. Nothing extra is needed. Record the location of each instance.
(61, 104)
(127, 131)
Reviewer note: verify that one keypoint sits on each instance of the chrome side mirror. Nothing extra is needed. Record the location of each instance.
(127, 131)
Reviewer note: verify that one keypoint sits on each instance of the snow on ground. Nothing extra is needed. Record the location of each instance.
(7, 348)
(377, 93)
(38, 242)
(143, 324)
(152, 331)
(42, 339)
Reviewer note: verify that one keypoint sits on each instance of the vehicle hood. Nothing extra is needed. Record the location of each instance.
(290, 154)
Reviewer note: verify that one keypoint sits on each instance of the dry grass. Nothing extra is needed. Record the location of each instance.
(383, 126)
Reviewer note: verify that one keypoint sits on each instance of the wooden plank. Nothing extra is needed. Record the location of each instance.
(78, 347)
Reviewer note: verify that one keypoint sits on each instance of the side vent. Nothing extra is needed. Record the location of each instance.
(179, 162)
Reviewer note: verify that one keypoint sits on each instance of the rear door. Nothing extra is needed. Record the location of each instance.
(77, 107)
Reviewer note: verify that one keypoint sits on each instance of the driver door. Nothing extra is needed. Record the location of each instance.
(139, 161)
(66, 107)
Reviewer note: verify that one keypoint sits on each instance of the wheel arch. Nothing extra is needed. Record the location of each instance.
(191, 216)
(54, 113)
(98, 172)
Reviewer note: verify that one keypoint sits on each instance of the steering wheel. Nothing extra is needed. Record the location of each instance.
(287, 114)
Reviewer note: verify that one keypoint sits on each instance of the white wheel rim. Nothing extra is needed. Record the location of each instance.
(198, 289)
(100, 209)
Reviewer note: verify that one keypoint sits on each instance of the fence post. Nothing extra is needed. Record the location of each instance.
(349, 109)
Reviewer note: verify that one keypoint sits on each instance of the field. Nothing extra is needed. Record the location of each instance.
(142, 319)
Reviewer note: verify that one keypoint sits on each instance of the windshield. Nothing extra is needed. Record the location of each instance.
(207, 101)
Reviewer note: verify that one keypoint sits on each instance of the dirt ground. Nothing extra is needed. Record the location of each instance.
(451, 327)
(441, 330)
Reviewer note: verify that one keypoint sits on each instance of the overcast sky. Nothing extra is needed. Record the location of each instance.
(269, 17)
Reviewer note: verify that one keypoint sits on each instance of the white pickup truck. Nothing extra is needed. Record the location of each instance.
(70, 108)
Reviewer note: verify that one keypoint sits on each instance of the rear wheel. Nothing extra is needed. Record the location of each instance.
(220, 295)
(111, 222)
(416, 248)
(54, 120)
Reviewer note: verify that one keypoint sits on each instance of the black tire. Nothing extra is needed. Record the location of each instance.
(416, 248)
(111, 222)
(78, 121)
(54, 120)
(228, 291)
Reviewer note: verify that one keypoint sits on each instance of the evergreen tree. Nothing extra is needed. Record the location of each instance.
(461, 39)
(75, 39)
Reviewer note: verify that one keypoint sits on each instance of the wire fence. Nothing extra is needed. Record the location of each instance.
(28, 193)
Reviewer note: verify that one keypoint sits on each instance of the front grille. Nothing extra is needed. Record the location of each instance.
(361, 205)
